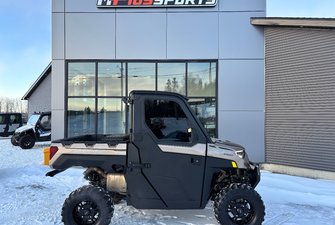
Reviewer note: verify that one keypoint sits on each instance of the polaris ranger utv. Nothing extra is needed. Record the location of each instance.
(37, 129)
(167, 161)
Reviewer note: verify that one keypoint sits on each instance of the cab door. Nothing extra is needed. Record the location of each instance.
(43, 128)
(15, 121)
(170, 155)
(3, 124)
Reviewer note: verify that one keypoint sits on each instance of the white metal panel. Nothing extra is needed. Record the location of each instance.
(241, 85)
(195, 9)
(192, 36)
(238, 38)
(242, 5)
(57, 85)
(90, 35)
(83, 6)
(57, 124)
(245, 128)
(58, 5)
(198, 149)
(58, 44)
(141, 36)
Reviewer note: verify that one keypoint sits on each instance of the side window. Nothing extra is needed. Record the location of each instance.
(2, 119)
(167, 120)
(14, 119)
(46, 122)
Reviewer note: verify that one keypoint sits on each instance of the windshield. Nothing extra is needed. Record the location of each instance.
(33, 119)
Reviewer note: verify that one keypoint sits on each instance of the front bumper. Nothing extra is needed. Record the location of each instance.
(255, 175)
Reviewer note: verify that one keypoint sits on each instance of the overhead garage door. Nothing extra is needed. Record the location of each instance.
(300, 97)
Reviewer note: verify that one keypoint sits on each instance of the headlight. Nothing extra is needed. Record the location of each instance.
(241, 153)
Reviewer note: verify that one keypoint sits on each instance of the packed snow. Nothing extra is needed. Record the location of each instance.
(28, 197)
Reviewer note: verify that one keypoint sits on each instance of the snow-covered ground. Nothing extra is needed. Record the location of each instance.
(28, 197)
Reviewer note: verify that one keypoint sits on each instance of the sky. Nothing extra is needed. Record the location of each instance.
(25, 36)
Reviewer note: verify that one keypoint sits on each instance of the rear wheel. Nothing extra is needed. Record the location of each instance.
(239, 204)
(27, 142)
(88, 205)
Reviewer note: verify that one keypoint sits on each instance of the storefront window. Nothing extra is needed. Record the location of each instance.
(201, 79)
(205, 110)
(111, 116)
(111, 79)
(171, 77)
(81, 79)
(81, 116)
(141, 76)
(103, 84)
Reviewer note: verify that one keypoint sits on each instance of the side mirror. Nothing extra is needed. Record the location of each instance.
(192, 135)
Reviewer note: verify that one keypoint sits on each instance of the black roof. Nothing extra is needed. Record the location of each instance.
(166, 93)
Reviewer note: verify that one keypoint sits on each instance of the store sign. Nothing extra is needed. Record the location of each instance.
(154, 3)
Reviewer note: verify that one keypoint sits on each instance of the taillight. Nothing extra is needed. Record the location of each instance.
(53, 151)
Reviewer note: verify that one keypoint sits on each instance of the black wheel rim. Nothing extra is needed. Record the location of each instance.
(26, 142)
(240, 211)
(86, 213)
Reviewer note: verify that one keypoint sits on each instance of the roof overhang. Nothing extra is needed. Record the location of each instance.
(39, 80)
(320, 23)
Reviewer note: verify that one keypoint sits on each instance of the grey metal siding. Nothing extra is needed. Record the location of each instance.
(300, 97)
(40, 100)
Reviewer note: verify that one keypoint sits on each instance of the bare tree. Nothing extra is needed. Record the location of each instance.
(1, 100)
(10, 105)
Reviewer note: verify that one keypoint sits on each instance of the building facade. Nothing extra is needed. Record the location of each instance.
(211, 54)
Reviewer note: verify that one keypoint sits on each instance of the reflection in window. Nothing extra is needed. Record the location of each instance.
(171, 77)
(14, 118)
(115, 79)
(81, 79)
(81, 116)
(141, 76)
(166, 120)
(111, 79)
(201, 79)
(205, 110)
(111, 116)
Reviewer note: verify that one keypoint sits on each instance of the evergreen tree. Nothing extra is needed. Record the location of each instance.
(168, 85)
(175, 85)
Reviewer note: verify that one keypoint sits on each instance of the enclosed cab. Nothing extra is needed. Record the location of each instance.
(9, 122)
(37, 129)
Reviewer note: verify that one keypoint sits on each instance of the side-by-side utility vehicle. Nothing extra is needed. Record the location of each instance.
(167, 161)
(9, 122)
(37, 129)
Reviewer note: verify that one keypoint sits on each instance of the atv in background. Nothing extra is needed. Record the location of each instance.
(9, 122)
(37, 129)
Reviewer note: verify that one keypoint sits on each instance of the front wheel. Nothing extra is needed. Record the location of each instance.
(27, 142)
(88, 205)
(239, 204)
